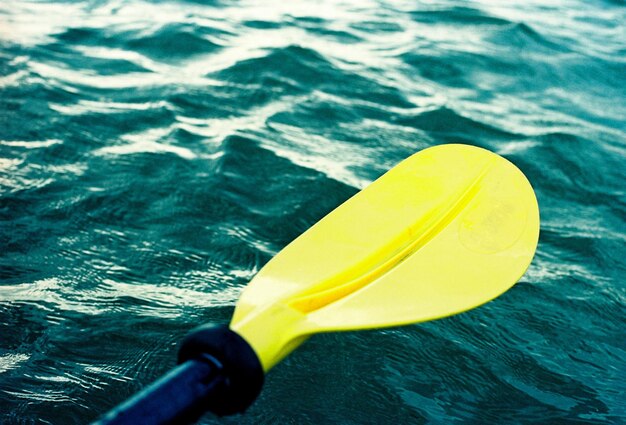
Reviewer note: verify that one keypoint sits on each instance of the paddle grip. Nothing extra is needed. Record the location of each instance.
(242, 369)
(218, 371)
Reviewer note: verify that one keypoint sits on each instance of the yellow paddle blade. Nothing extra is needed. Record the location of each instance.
(446, 230)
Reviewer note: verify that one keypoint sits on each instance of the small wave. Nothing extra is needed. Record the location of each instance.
(520, 35)
(293, 63)
(172, 42)
(457, 15)
(324, 28)
(447, 122)
(167, 42)
(32, 144)
(147, 142)
(146, 147)
(294, 69)
(447, 71)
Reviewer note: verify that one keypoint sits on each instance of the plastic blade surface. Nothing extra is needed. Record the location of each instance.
(444, 231)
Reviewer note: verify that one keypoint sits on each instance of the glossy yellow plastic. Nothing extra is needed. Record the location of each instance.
(446, 230)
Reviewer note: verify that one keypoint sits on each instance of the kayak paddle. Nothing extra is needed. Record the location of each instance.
(444, 231)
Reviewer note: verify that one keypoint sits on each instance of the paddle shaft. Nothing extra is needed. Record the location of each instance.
(179, 397)
(218, 371)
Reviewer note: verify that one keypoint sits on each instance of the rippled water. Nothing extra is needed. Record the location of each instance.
(154, 155)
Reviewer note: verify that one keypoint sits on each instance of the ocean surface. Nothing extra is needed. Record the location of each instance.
(154, 155)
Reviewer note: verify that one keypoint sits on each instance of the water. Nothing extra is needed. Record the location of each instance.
(154, 155)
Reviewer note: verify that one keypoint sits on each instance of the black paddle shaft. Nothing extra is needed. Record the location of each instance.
(218, 371)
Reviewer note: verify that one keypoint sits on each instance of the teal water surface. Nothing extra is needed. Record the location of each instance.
(155, 154)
